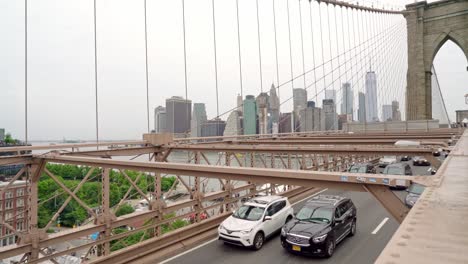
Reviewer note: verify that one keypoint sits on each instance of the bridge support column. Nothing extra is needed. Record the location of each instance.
(389, 201)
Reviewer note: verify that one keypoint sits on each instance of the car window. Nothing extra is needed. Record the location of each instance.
(276, 207)
(343, 208)
(337, 213)
(280, 205)
(249, 212)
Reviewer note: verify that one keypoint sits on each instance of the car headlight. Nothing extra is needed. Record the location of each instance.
(319, 239)
(221, 227)
(245, 232)
(283, 231)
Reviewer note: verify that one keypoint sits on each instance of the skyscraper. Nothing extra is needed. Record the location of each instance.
(262, 112)
(160, 119)
(233, 124)
(285, 123)
(213, 128)
(330, 94)
(396, 114)
(362, 107)
(299, 102)
(331, 118)
(239, 103)
(198, 119)
(179, 114)
(386, 113)
(250, 115)
(371, 97)
(347, 102)
(274, 111)
(311, 118)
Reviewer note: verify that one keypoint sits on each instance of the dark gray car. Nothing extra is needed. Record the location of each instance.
(414, 191)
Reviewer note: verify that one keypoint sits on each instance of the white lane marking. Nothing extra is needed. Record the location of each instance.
(215, 239)
(380, 226)
(188, 251)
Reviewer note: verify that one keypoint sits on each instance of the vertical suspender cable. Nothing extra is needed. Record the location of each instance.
(323, 56)
(216, 67)
(332, 69)
(313, 49)
(302, 43)
(96, 75)
(239, 47)
(146, 69)
(185, 71)
(25, 71)
(339, 64)
(259, 49)
(276, 47)
(291, 64)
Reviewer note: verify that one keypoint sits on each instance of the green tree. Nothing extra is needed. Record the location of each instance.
(9, 139)
(124, 209)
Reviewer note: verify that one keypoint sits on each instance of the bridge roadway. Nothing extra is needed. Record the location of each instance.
(363, 248)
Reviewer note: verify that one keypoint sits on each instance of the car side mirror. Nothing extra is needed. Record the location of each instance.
(267, 218)
(338, 220)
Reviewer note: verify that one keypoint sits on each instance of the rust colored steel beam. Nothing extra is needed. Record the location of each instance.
(72, 146)
(347, 181)
(13, 160)
(116, 152)
(307, 149)
(305, 141)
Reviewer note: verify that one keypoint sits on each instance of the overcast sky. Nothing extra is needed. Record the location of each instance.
(61, 60)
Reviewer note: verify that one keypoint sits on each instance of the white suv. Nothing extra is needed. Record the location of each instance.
(255, 221)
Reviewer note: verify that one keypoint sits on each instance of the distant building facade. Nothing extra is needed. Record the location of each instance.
(331, 118)
(250, 115)
(213, 128)
(198, 119)
(13, 206)
(262, 113)
(371, 97)
(362, 107)
(347, 102)
(274, 111)
(330, 94)
(396, 114)
(2, 134)
(160, 119)
(386, 112)
(178, 114)
(233, 124)
(285, 123)
(299, 103)
(312, 118)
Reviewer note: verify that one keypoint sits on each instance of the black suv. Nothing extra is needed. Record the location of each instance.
(319, 226)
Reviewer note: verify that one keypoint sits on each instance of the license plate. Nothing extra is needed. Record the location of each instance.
(296, 248)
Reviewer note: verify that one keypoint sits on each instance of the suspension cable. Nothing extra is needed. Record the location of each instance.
(146, 68)
(313, 46)
(96, 75)
(239, 49)
(185, 71)
(321, 41)
(302, 42)
(25, 72)
(276, 47)
(291, 64)
(216, 66)
(259, 49)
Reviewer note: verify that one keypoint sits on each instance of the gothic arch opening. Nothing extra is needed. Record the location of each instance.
(449, 79)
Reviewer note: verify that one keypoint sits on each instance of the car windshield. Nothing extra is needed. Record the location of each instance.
(249, 212)
(315, 214)
(394, 170)
(416, 189)
(358, 169)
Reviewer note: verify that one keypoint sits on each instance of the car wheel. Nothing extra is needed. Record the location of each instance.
(258, 241)
(353, 228)
(288, 219)
(330, 249)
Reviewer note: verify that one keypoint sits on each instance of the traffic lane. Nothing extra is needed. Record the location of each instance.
(364, 247)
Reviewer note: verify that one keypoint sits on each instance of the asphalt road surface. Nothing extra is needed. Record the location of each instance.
(375, 227)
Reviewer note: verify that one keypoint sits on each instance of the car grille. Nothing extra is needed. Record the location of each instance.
(297, 239)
